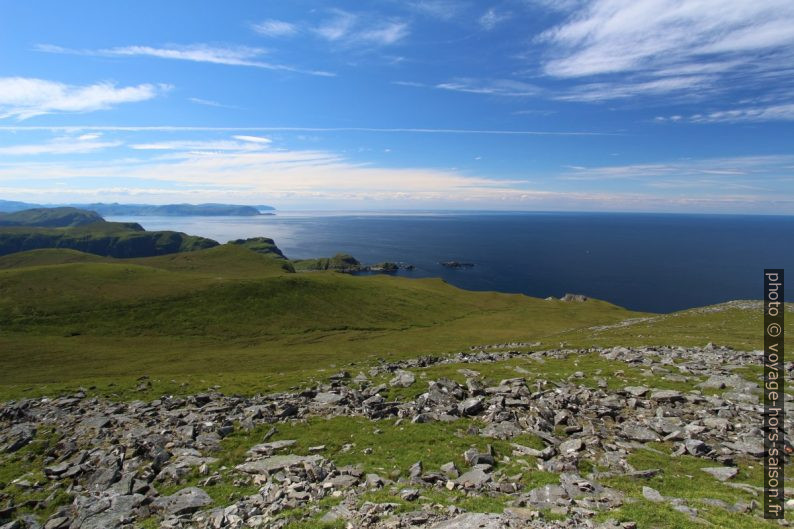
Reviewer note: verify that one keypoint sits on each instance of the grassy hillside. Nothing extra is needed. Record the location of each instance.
(237, 318)
(341, 262)
(113, 239)
(228, 310)
(50, 217)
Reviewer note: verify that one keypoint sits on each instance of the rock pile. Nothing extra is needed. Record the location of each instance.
(113, 458)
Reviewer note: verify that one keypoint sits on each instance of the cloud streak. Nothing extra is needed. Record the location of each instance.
(24, 97)
(275, 28)
(778, 112)
(201, 53)
(668, 46)
(350, 29)
(169, 128)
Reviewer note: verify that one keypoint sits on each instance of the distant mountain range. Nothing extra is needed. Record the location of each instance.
(172, 210)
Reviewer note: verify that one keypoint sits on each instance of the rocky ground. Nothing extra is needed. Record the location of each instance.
(108, 465)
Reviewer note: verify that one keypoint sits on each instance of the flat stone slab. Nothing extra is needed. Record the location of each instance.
(269, 448)
(636, 391)
(329, 398)
(275, 463)
(473, 520)
(474, 478)
(183, 501)
(637, 432)
(653, 495)
(721, 473)
(667, 395)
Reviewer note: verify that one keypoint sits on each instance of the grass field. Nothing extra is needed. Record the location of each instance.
(231, 317)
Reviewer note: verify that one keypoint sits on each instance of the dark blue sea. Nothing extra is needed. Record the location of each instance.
(647, 262)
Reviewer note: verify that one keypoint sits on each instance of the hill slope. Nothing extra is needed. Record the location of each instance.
(232, 316)
(112, 239)
(50, 217)
(229, 310)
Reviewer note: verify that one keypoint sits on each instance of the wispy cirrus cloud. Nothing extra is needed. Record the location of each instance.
(202, 53)
(383, 130)
(744, 172)
(492, 87)
(670, 46)
(438, 9)
(348, 28)
(275, 28)
(245, 166)
(777, 112)
(25, 97)
(83, 144)
(209, 103)
(238, 142)
(491, 18)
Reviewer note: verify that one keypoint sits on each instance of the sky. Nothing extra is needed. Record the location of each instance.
(600, 105)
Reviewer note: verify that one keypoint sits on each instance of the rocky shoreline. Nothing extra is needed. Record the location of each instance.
(112, 459)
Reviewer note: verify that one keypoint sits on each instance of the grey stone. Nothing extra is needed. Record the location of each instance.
(274, 463)
(329, 398)
(571, 446)
(547, 497)
(108, 513)
(403, 379)
(667, 395)
(636, 391)
(721, 473)
(471, 406)
(696, 447)
(636, 432)
(651, 494)
(474, 478)
(184, 501)
(269, 448)
(472, 520)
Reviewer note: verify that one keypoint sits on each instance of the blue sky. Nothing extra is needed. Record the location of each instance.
(614, 105)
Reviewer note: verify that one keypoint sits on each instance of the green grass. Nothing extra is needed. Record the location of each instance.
(592, 366)
(233, 317)
(681, 477)
(27, 464)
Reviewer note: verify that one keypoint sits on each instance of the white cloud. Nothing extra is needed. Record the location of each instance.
(496, 87)
(739, 170)
(170, 128)
(440, 9)
(730, 42)
(244, 143)
(275, 28)
(491, 18)
(351, 29)
(338, 27)
(252, 139)
(384, 34)
(23, 97)
(322, 178)
(592, 92)
(209, 103)
(779, 112)
(227, 55)
(81, 145)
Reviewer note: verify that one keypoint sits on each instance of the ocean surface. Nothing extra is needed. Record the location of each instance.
(647, 262)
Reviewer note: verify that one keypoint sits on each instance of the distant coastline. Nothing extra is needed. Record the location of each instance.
(148, 210)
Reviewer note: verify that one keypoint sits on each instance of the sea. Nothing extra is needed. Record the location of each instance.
(647, 262)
